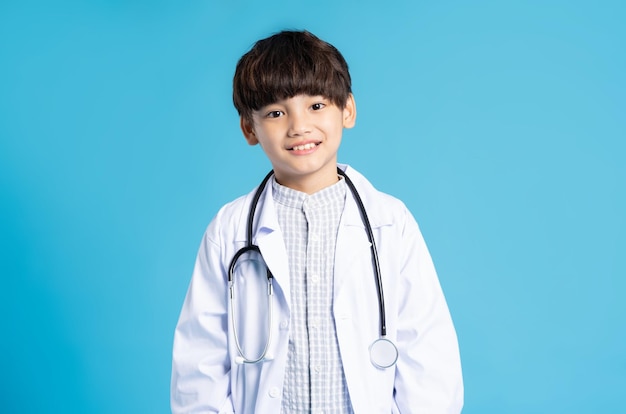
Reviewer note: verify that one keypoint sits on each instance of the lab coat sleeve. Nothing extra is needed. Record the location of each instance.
(200, 364)
(428, 376)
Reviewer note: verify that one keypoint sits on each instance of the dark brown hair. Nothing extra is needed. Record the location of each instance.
(287, 64)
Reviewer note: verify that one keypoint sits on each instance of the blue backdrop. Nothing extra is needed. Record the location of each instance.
(501, 124)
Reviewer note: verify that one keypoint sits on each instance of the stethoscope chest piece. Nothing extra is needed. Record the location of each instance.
(383, 353)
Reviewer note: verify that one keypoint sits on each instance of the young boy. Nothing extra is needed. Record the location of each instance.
(335, 306)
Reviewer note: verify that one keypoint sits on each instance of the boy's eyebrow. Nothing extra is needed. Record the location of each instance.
(266, 107)
(279, 102)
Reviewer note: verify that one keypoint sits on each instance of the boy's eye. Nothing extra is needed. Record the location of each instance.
(317, 106)
(274, 114)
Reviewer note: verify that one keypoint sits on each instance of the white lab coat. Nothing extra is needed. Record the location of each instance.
(427, 377)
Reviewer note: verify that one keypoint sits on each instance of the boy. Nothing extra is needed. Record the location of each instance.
(356, 321)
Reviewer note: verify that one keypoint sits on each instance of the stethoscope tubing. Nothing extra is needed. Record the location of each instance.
(376, 263)
(250, 247)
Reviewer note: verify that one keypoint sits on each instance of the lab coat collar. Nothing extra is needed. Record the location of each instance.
(377, 214)
(266, 221)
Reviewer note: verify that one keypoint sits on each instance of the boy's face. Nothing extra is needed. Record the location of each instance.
(301, 137)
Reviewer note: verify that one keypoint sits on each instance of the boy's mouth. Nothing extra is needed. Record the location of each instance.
(304, 147)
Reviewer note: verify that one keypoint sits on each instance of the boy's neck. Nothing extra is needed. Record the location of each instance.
(309, 185)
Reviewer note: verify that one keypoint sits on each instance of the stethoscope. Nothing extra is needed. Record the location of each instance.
(383, 352)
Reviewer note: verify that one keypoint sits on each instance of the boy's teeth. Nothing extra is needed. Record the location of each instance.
(304, 147)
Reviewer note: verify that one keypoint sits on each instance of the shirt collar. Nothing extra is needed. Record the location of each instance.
(335, 193)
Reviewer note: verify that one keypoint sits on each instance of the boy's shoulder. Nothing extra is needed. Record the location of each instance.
(234, 211)
(369, 193)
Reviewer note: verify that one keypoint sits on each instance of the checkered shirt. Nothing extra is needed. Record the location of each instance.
(314, 379)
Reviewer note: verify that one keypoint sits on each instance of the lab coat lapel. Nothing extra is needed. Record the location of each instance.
(269, 238)
(355, 289)
(352, 245)
(352, 258)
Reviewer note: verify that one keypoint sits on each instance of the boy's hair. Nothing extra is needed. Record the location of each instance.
(287, 64)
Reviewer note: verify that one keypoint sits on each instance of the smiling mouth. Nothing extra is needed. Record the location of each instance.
(304, 147)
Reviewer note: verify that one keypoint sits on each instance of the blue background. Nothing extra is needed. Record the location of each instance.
(501, 124)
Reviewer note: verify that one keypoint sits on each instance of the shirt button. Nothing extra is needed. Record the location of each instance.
(318, 368)
(274, 392)
(315, 279)
(284, 324)
(315, 237)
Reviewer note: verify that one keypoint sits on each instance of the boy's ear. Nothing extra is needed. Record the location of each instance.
(349, 112)
(248, 131)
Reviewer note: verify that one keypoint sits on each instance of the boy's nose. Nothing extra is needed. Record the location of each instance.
(298, 125)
